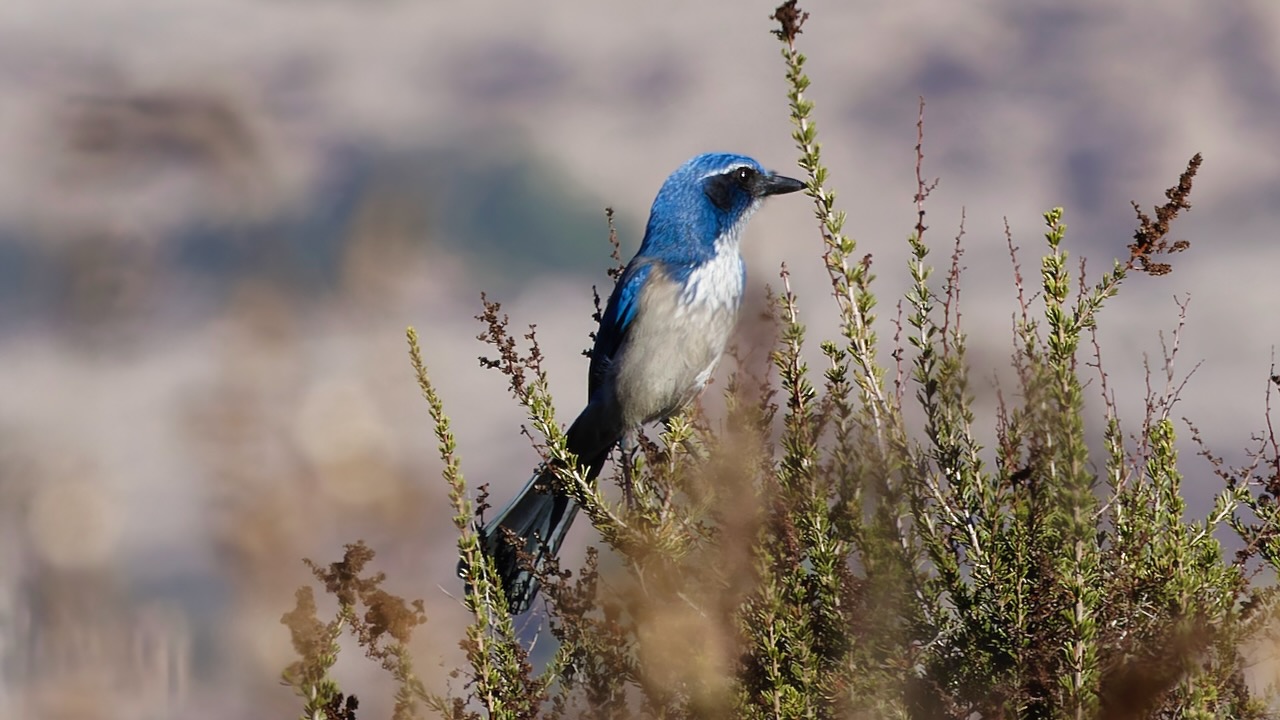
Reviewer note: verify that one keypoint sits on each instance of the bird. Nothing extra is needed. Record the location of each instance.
(661, 335)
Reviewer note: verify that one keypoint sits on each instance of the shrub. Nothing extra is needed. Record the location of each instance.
(816, 553)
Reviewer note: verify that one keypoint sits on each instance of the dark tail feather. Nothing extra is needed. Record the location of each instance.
(540, 520)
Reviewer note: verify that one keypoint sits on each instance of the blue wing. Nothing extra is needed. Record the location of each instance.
(616, 320)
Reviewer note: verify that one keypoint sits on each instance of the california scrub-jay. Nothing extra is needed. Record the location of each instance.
(660, 337)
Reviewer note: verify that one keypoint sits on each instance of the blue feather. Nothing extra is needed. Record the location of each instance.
(617, 317)
(683, 224)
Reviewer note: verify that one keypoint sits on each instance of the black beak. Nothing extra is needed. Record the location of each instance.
(775, 184)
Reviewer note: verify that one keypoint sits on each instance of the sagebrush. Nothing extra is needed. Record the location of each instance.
(812, 553)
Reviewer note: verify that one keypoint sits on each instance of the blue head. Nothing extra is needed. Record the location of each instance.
(707, 201)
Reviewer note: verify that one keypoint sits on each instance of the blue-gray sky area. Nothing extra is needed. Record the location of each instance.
(218, 216)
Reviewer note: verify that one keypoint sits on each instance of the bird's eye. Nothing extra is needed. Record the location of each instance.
(745, 173)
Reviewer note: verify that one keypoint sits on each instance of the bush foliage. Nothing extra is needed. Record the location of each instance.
(819, 552)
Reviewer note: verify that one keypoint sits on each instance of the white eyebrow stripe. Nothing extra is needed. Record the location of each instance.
(726, 169)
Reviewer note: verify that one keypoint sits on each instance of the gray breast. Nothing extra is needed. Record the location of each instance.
(672, 349)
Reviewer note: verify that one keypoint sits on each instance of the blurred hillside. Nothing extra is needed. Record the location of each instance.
(217, 217)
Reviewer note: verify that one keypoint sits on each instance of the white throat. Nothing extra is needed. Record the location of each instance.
(717, 284)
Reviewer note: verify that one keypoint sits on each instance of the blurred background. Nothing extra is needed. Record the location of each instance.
(218, 216)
